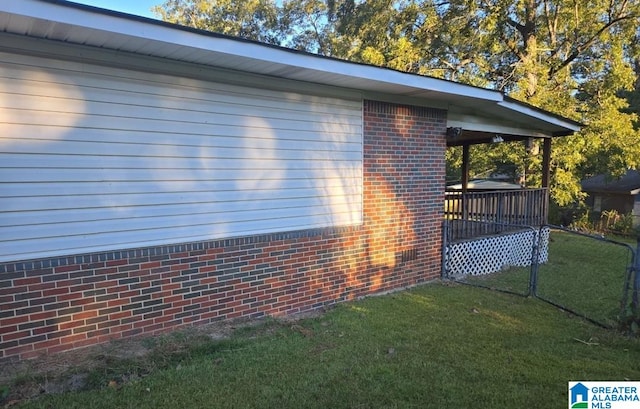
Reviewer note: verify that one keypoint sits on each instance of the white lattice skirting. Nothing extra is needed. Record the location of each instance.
(491, 254)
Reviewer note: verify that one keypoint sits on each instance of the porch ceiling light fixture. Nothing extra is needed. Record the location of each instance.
(454, 132)
(497, 139)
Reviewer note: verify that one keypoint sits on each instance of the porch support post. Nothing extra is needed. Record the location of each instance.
(465, 179)
(546, 162)
(465, 168)
(546, 176)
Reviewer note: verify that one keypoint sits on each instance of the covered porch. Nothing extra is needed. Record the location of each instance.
(492, 226)
(477, 210)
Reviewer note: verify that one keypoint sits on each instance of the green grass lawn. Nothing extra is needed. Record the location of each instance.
(436, 346)
(582, 274)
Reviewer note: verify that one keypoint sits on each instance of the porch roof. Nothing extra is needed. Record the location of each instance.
(477, 112)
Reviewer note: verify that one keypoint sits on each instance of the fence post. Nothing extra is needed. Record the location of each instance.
(445, 234)
(636, 275)
(535, 263)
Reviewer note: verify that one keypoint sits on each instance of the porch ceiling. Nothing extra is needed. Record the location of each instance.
(472, 137)
(482, 137)
(478, 111)
(509, 120)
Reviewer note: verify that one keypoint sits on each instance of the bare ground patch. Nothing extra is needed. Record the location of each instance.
(119, 361)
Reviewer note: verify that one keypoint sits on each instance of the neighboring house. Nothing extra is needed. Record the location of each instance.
(621, 194)
(155, 176)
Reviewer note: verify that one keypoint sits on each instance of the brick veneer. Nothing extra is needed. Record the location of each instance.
(51, 305)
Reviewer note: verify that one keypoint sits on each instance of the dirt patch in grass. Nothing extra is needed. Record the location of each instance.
(121, 361)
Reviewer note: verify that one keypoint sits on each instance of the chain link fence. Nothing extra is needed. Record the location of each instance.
(589, 276)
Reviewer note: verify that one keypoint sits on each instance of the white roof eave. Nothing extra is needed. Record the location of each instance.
(540, 115)
(79, 24)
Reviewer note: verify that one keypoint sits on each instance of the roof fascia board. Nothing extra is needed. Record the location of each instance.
(545, 116)
(92, 19)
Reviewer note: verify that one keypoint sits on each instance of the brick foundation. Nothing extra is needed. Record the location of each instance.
(57, 304)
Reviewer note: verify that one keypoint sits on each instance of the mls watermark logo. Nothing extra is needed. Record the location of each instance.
(604, 395)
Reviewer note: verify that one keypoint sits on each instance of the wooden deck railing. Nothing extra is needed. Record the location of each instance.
(480, 213)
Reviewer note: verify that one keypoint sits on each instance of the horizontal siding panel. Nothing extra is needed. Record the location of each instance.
(53, 161)
(111, 83)
(211, 207)
(174, 134)
(212, 218)
(206, 125)
(135, 105)
(238, 115)
(94, 158)
(118, 202)
(256, 153)
(155, 175)
(16, 250)
(222, 187)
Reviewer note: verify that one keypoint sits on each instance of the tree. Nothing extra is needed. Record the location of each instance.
(569, 57)
(633, 96)
(252, 19)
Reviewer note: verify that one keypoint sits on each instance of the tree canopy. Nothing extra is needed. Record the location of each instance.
(576, 58)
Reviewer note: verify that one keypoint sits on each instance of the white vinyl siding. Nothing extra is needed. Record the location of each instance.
(95, 158)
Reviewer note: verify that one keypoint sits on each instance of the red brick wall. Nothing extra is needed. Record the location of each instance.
(51, 305)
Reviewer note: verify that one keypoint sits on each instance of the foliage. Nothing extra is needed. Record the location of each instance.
(252, 19)
(612, 221)
(582, 222)
(570, 58)
(633, 96)
(4, 392)
(630, 321)
(582, 218)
